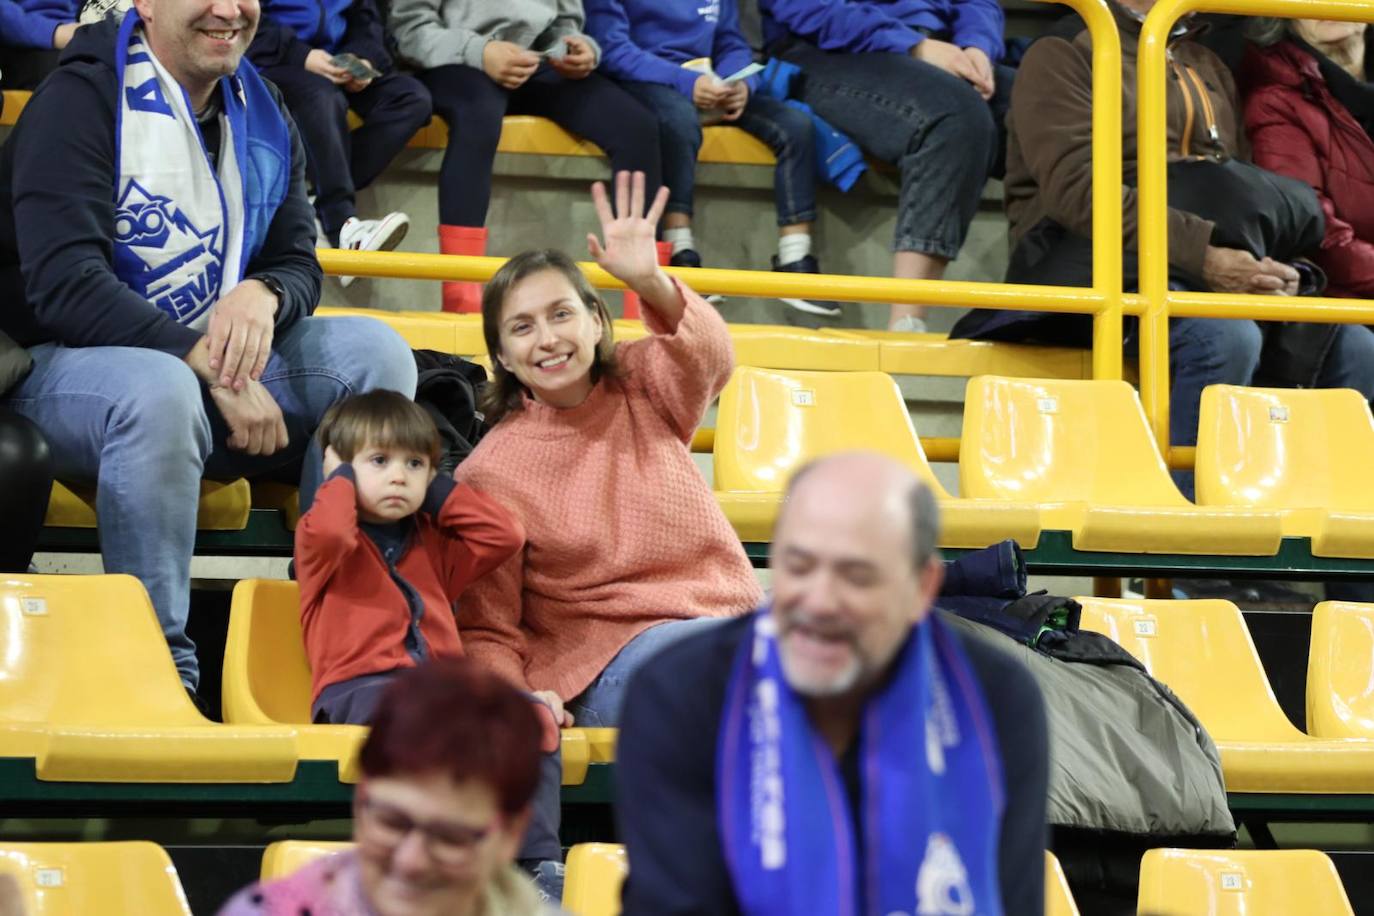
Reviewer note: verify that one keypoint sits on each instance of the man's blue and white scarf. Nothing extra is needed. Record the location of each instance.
(932, 791)
(185, 232)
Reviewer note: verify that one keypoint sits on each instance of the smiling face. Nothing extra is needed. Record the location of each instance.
(548, 338)
(428, 846)
(1321, 32)
(391, 482)
(199, 41)
(845, 589)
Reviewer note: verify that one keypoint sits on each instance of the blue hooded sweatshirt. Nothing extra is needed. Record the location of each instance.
(892, 26)
(649, 40)
(31, 23)
(290, 29)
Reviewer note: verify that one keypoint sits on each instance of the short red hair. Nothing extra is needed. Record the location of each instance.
(454, 718)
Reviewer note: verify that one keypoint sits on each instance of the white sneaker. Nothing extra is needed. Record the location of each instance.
(909, 324)
(372, 235)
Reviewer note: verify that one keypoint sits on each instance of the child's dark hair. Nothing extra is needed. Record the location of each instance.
(387, 419)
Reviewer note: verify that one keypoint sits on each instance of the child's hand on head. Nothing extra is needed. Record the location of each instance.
(331, 460)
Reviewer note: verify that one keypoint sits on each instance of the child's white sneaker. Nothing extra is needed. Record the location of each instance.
(372, 235)
(909, 324)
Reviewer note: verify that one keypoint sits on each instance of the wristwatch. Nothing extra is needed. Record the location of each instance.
(274, 285)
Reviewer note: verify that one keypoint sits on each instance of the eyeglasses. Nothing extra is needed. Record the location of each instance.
(388, 826)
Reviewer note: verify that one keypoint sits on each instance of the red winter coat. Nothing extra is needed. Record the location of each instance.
(1298, 128)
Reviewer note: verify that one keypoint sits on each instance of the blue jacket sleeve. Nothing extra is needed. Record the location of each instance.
(621, 58)
(730, 52)
(62, 186)
(276, 45)
(364, 36)
(32, 25)
(288, 252)
(979, 24)
(852, 26)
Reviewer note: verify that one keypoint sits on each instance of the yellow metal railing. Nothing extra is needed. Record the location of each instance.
(1103, 300)
(1159, 302)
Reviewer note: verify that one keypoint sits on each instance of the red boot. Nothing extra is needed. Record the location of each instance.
(630, 301)
(462, 296)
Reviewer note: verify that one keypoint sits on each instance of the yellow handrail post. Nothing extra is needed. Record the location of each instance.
(1160, 302)
(1151, 151)
(1106, 200)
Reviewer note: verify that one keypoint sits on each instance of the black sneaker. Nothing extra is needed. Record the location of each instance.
(687, 257)
(807, 265)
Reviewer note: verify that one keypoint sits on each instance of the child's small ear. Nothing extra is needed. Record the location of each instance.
(433, 473)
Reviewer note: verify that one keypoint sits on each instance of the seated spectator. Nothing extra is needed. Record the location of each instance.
(1309, 110)
(383, 517)
(25, 469)
(167, 311)
(626, 549)
(1233, 228)
(482, 61)
(297, 47)
(647, 42)
(32, 36)
(448, 772)
(842, 750)
(917, 84)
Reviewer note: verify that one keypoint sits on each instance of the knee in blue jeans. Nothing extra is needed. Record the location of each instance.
(1227, 350)
(166, 405)
(375, 356)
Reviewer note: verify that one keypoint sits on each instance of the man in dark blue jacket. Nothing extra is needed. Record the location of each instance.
(917, 84)
(842, 750)
(157, 260)
(296, 47)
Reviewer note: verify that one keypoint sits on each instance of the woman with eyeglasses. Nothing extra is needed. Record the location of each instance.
(448, 774)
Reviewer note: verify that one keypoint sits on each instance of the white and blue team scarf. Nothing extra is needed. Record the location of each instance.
(932, 791)
(184, 232)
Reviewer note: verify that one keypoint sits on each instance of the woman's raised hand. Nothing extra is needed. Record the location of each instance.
(628, 252)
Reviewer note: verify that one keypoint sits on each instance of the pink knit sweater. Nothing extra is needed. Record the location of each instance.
(621, 529)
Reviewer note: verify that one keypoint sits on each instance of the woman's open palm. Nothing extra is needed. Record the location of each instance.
(627, 252)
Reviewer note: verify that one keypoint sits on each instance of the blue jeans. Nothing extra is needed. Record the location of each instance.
(139, 424)
(787, 132)
(931, 124)
(599, 705)
(1217, 351)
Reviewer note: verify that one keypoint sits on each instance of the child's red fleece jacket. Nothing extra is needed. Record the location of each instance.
(354, 616)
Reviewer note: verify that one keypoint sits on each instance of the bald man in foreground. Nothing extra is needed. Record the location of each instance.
(842, 750)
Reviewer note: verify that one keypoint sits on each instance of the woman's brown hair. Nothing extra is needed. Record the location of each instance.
(506, 395)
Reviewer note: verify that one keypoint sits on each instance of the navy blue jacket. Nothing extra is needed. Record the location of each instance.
(666, 776)
(893, 26)
(57, 209)
(30, 23)
(291, 29)
(649, 40)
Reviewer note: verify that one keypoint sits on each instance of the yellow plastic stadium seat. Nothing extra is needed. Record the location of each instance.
(769, 346)
(770, 423)
(112, 879)
(1340, 671)
(1275, 882)
(223, 506)
(422, 330)
(1083, 451)
(902, 353)
(287, 856)
(1306, 452)
(267, 681)
(1203, 652)
(88, 689)
(15, 100)
(1058, 897)
(595, 872)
